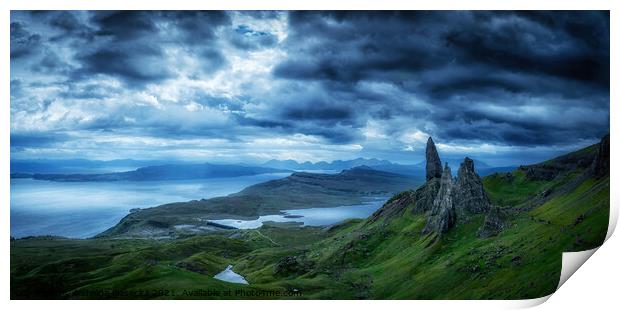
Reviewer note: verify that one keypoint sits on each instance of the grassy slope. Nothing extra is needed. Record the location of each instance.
(524, 261)
(68, 268)
(385, 259)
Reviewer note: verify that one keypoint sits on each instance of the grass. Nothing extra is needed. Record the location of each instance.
(504, 190)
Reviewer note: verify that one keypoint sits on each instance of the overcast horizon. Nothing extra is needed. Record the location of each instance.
(506, 88)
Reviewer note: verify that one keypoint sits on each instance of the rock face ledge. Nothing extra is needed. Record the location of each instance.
(433, 163)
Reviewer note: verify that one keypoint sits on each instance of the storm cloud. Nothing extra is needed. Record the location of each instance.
(234, 86)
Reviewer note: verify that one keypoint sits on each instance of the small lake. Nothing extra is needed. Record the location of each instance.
(312, 216)
(228, 275)
(84, 209)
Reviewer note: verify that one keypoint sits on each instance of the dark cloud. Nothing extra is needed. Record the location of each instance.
(454, 60)
(37, 139)
(23, 42)
(319, 113)
(66, 21)
(73, 28)
(51, 63)
(139, 64)
(249, 121)
(195, 27)
(520, 79)
(125, 25)
(572, 50)
(129, 48)
(132, 45)
(353, 45)
(211, 60)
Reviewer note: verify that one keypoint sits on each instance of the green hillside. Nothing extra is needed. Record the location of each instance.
(513, 252)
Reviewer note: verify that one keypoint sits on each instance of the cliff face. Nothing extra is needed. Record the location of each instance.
(601, 167)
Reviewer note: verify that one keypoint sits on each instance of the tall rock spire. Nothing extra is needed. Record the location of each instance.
(433, 163)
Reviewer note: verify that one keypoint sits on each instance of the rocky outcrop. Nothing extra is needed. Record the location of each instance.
(292, 265)
(469, 193)
(541, 172)
(441, 198)
(587, 158)
(601, 167)
(433, 163)
(442, 216)
(421, 200)
(494, 222)
(393, 207)
(425, 195)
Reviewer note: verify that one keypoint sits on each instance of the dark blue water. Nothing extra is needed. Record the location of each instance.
(312, 216)
(85, 209)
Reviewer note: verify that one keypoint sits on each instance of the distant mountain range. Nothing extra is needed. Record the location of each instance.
(83, 170)
(337, 165)
(414, 170)
(157, 173)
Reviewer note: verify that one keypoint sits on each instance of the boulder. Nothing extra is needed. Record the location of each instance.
(494, 222)
(292, 265)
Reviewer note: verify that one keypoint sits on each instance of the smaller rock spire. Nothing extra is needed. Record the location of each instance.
(469, 191)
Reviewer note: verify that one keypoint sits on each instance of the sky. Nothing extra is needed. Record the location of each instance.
(503, 87)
